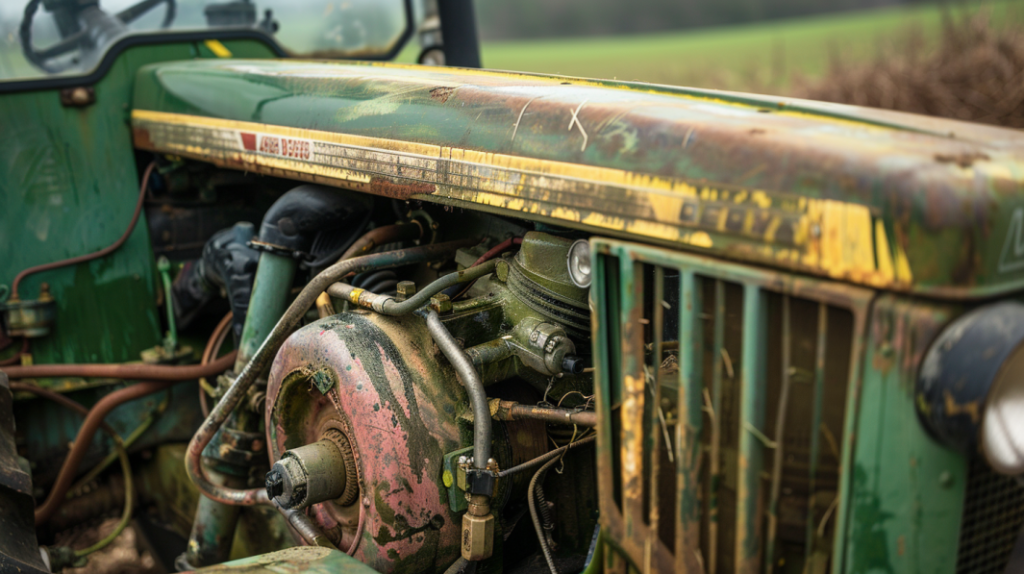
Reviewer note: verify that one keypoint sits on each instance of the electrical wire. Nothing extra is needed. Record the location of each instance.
(119, 448)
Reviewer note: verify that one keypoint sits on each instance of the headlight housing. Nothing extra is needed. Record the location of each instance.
(970, 391)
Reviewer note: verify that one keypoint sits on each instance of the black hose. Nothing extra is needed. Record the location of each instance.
(530, 494)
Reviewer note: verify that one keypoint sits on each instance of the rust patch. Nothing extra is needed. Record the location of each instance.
(441, 93)
(963, 159)
(141, 138)
(388, 188)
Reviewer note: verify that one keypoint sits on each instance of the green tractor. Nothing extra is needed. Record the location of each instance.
(340, 314)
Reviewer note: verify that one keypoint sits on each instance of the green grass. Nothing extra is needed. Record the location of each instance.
(769, 57)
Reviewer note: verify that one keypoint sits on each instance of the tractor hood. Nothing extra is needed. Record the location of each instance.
(876, 198)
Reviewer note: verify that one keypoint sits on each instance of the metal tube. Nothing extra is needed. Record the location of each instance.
(474, 387)
(516, 411)
(268, 350)
(387, 305)
(305, 526)
(689, 449)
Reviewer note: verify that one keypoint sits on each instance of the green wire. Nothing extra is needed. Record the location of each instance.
(128, 442)
(129, 495)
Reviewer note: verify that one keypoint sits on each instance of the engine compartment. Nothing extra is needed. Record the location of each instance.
(432, 408)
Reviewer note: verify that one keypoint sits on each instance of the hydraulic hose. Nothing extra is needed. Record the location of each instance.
(474, 387)
(266, 352)
(119, 449)
(130, 371)
(382, 235)
(387, 305)
(90, 256)
(93, 421)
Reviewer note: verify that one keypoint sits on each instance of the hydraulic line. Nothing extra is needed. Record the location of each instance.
(128, 371)
(471, 380)
(100, 410)
(532, 501)
(119, 448)
(97, 254)
(266, 352)
(387, 305)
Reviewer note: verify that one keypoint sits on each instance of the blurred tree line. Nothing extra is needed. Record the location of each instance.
(500, 19)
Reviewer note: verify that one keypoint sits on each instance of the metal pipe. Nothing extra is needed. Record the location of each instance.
(237, 391)
(387, 305)
(127, 371)
(474, 387)
(305, 526)
(511, 411)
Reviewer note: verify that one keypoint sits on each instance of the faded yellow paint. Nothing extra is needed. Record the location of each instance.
(839, 238)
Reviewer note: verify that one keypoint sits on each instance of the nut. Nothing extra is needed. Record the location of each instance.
(477, 536)
(405, 289)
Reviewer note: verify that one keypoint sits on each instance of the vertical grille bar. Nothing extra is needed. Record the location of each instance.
(634, 387)
(690, 419)
(780, 438)
(715, 469)
(751, 458)
(819, 395)
(654, 388)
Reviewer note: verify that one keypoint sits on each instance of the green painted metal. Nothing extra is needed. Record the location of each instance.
(933, 206)
(756, 283)
(68, 185)
(752, 416)
(691, 416)
(908, 490)
(270, 295)
(716, 427)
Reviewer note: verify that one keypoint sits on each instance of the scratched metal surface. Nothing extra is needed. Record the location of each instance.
(877, 198)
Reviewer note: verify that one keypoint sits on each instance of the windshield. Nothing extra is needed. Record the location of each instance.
(315, 28)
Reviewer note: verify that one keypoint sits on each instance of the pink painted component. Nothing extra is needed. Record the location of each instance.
(397, 401)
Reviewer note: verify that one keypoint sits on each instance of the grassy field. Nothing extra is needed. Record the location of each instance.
(766, 57)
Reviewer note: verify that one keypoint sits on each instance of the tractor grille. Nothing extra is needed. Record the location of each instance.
(993, 518)
(706, 370)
